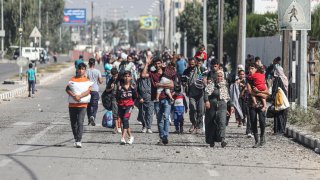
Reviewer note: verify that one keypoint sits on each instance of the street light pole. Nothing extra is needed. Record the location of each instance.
(205, 23)
(39, 21)
(2, 38)
(220, 30)
(92, 38)
(20, 33)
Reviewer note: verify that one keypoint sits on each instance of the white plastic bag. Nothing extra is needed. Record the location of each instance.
(77, 88)
(285, 103)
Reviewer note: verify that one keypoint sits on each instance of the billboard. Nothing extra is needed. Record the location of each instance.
(74, 16)
(264, 6)
(148, 22)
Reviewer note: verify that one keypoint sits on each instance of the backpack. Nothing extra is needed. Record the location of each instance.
(107, 120)
(106, 99)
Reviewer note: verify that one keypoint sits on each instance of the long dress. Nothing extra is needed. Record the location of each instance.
(215, 118)
(280, 117)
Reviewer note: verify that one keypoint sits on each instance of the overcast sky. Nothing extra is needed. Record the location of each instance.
(116, 9)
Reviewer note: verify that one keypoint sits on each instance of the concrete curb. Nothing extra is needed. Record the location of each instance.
(21, 90)
(303, 138)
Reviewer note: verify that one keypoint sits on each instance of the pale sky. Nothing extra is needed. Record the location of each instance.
(116, 9)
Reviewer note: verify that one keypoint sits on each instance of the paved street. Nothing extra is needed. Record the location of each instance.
(10, 68)
(37, 143)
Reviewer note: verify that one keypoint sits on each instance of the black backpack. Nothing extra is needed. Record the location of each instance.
(106, 99)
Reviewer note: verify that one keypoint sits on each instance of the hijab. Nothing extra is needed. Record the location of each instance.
(278, 72)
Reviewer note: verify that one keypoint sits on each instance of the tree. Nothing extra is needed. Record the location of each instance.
(30, 15)
(257, 26)
(315, 26)
(190, 21)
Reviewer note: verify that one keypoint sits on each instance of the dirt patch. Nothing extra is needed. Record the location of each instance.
(306, 120)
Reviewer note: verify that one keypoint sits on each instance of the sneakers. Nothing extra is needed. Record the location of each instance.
(250, 135)
(144, 130)
(149, 131)
(119, 130)
(199, 131)
(165, 140)
(78, 144)
(122, 141)
(160, 143)
(191, 129)
(223, 144)
(91, 121)
(181, 129)
(131, 139)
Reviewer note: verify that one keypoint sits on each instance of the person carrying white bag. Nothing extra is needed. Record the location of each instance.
(78, 89)
(280, 100)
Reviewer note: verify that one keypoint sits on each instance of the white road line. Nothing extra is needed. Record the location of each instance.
(22, 124)
(23, 148)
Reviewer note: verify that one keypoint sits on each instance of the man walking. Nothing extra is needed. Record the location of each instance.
(94, 75)
(195, 92)
(163, 106)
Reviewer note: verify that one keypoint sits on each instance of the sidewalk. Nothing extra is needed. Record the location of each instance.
(45, 75)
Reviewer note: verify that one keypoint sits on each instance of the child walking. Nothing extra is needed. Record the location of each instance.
(179, 107)
(31, 78)
(126, 95)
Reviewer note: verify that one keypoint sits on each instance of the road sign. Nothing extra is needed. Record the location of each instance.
(294, 15)
(22, 61)
(35, 33)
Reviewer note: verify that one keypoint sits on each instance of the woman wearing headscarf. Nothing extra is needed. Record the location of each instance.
(217, 100)
(280, 117)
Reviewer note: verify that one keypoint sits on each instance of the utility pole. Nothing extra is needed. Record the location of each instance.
(92, 37)
(39, 21)
(2, 29)
(171, 27)
(20, 30)
(303, 70)
(241, 47)
(220, 30)
(285, 52)
(185, 45)
(205, 24)
(101, 33)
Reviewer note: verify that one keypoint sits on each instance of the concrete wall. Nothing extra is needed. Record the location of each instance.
(267, 48)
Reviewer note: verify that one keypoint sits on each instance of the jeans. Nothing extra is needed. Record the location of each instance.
(163, 109)
(77, 117)
(93, 105)
(196, 106)
(31, 86)
(254, 112)
(146, 114)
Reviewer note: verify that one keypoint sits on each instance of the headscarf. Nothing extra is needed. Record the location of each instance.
(224, 92)
(240, 66)
(278, 72)
(223, 89)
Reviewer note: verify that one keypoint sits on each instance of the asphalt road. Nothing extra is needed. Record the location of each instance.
(10, 69)
(36, 143)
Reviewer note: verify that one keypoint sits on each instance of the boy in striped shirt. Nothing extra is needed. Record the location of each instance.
(179, 107)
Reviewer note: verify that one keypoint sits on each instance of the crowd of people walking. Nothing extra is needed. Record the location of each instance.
(170, 86)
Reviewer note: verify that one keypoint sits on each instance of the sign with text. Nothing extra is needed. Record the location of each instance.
(148, 22)
(294, 15)
(271, 6)
(74, 16)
